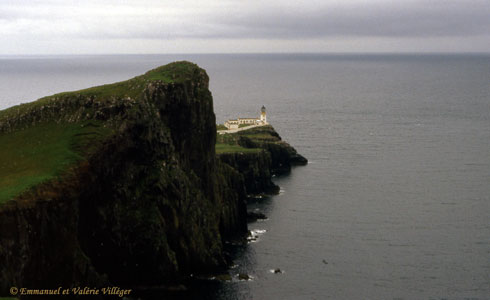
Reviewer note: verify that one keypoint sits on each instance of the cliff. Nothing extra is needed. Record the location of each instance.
(124, 184)
(124, 187)
(255, 168)
(277, 155)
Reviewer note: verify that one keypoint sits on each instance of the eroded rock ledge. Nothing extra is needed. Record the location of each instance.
(273, 156)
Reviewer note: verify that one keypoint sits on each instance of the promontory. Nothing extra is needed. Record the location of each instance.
(125, 185)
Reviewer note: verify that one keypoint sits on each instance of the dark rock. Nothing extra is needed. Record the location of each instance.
(254, 216)
(223, 277)
(243, 276)
(298, 160)
(255, 169)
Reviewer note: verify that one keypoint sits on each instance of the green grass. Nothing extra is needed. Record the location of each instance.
(244, 125)
(130, 88)
(176, 72)
(259, 136)
(172, 73)
(39, 153)
(225, 148)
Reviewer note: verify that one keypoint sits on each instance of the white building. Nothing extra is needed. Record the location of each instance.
(235, 123)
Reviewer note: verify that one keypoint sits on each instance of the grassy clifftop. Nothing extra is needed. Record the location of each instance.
(39, 153)
(177, 72)
(43, 139)
(242, 141)
(257, 139)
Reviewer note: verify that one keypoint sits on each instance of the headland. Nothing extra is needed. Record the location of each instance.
(126, 184)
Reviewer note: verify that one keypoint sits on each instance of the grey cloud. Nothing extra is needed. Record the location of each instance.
(383, 19)
(422, 19)
(265, 20)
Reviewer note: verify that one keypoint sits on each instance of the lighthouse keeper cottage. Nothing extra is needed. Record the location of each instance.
(235, 123)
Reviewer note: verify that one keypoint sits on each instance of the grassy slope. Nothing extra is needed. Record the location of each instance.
(226, 148)
(31, 156)
(227, 143)
(177, 72)
(42, 152)
(261, 134)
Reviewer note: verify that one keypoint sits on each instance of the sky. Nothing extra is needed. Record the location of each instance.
(243, 26)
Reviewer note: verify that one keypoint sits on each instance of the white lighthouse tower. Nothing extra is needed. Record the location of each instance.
(263, 116)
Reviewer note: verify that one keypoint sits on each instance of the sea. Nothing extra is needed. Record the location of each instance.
(395, 200)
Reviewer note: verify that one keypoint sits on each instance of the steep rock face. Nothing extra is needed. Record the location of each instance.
(256, 169)
(39, 245)
(150, 203)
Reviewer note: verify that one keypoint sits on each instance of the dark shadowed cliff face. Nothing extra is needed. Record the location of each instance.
(146, 202)
(256, 169)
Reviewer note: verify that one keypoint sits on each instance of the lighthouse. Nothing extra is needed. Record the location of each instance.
(263, 116)
(243, 122)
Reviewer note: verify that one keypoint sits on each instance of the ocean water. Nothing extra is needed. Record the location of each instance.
(395, 202)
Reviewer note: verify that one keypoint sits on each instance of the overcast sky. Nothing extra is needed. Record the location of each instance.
(184, 26)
